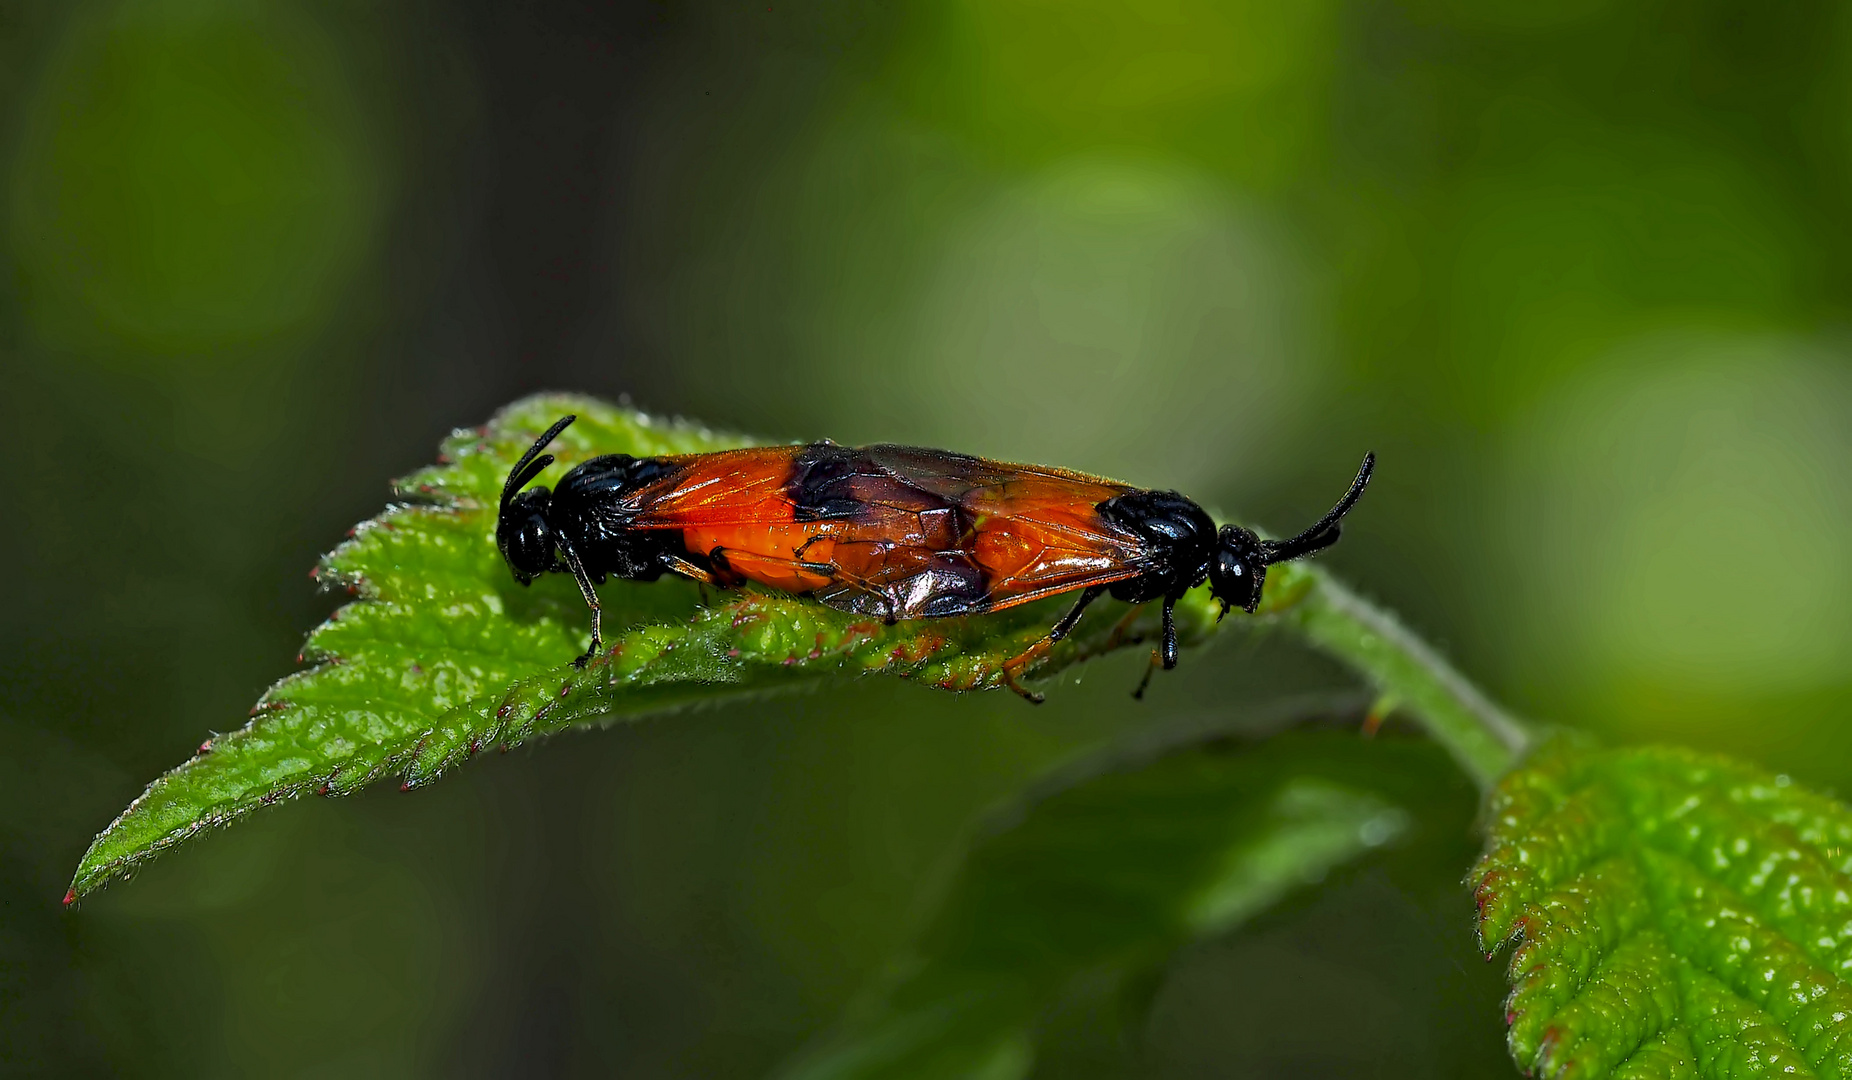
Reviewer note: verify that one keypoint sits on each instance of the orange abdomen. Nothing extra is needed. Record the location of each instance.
(772, 555)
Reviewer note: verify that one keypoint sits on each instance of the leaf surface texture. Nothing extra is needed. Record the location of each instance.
(441, 655)
(1675, 915)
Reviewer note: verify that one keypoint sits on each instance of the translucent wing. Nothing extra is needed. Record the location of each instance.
(731, 487)
(897, 532)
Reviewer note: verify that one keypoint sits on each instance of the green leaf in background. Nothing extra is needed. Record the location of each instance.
(1678, 915)
(443, 655)
(1111, 868)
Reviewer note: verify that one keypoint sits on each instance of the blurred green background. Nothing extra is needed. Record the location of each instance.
(1577, 271)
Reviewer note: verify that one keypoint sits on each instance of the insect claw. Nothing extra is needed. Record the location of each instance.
(1020, 663)
(1028, 695)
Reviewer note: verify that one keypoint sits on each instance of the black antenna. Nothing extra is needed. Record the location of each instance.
(1325, 533)
(533, 462)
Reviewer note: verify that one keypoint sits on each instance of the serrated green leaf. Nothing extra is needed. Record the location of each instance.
(1676, 915)
(1107, 874)
(442, 655)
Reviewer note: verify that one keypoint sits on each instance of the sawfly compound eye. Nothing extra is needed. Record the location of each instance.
(524, 536)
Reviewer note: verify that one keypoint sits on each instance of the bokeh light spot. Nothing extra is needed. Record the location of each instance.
(1683, 519)
(1112, 315)
(1595, 240)
(193, 175)
(1235, 85)
(1519, 16)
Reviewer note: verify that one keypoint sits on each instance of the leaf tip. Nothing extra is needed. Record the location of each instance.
(70, 897)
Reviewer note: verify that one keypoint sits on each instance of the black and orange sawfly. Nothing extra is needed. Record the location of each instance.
(894, 532)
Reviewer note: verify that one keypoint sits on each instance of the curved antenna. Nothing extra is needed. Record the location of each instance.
(533, 461)
(1325, 532)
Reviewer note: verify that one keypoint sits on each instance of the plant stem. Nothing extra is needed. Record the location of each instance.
(1485, 739)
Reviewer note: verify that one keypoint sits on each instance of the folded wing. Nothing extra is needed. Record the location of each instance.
(892, 531)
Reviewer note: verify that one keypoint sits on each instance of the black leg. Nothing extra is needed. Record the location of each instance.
(1166, 653)
(591, 600)
(720, 571)
(1066, 625)
(1034, 652)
